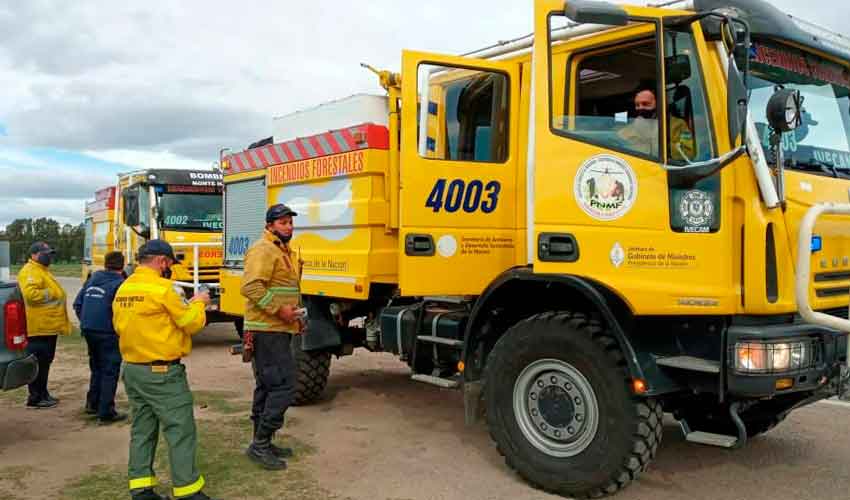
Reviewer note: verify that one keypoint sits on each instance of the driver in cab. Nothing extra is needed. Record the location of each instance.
(642, 132)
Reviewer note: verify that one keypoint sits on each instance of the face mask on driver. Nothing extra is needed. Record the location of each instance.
(647, 114)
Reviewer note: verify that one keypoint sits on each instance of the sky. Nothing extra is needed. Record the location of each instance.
(96, 87)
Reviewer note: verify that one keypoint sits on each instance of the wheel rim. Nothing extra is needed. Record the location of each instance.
(556, 408)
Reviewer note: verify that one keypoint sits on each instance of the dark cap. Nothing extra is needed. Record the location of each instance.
(157, 247)
(41, 247)
(275, 212)
(114, 261)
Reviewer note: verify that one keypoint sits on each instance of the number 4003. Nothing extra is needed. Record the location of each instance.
(457, 194)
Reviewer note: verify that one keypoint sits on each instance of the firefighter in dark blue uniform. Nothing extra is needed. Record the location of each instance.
(93, 306)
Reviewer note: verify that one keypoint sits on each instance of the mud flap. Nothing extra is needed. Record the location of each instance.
(322, 331)
(472, 408)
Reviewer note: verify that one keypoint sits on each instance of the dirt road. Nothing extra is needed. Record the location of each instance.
(378, 435)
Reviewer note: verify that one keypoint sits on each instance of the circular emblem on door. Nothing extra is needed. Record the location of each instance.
(697, 211)
(605, 187)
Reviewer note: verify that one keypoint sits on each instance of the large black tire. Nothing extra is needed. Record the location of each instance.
(598, 462)
(312, 369)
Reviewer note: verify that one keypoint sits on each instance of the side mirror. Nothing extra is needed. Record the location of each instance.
(131, 207)
(784, 110)
(736, 103)
(677, 68)
(595, 12)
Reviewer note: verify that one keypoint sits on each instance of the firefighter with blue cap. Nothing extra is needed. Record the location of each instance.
(155, 324)
(270, 285)
(47, 317)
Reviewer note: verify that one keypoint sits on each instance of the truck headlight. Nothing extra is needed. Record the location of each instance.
(759, 357)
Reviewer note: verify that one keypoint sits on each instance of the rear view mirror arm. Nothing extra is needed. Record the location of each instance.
(700, 170)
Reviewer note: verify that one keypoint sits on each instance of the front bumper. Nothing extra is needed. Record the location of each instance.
(821, 373)
(20, 372)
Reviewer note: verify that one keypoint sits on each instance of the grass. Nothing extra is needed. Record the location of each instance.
(16, 397)
(69, 348)
(221, 402)
(221, 459)
(64, 269)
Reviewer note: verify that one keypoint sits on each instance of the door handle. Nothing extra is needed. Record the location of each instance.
(419, 245)
(557, 247)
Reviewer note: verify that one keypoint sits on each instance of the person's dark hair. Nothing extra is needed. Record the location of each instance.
(647, 85)
(114, 261)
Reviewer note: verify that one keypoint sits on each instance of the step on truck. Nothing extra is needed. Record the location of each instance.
(182, 207)
(632, 211)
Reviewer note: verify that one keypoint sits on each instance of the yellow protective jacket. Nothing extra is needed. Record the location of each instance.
(44, 298)
(644, 138)
(270, 281)
(154, 322)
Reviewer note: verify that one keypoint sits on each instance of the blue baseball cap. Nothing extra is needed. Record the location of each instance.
(278, 211)
(157, 247)
(41, 247)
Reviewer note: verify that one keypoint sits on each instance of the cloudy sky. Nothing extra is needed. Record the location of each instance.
(96, 87)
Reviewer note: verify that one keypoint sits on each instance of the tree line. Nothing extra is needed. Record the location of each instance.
(66, 239)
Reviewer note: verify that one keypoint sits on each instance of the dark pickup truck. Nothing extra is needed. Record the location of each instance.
(17, 368)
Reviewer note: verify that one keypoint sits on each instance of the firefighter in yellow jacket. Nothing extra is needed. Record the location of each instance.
(155, 325)
(47, 317)
(642, 133)
(272, 316)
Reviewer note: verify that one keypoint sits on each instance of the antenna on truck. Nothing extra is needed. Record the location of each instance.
(388, 78)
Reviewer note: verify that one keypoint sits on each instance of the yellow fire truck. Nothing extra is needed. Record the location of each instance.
(182, 207)
(631, 211)
(98, 220)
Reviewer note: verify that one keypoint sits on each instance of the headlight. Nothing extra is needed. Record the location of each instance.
(757, 357)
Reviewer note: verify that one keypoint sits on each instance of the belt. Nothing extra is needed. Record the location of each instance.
(158, 363)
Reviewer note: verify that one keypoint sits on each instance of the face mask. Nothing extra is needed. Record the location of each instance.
(282, 237)
(44, 259)
(648, 114)
(166, 271)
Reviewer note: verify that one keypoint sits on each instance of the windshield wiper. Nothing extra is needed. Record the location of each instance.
(821, 166)
(191, 228)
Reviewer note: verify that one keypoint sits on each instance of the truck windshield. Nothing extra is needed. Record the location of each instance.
(190, 212)
(822, 143)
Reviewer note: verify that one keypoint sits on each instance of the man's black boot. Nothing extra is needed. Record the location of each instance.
(280, 452)
(148, 494)
(261, 452)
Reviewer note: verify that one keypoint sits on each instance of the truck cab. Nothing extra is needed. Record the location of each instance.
(182, 207)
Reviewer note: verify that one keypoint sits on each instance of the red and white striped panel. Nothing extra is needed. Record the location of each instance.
(363, 136)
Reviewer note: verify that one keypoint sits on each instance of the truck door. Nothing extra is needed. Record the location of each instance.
(459, 152)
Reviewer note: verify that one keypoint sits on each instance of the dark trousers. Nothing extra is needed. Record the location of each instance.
(105, 365)
(274, 373)
(44, 349)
